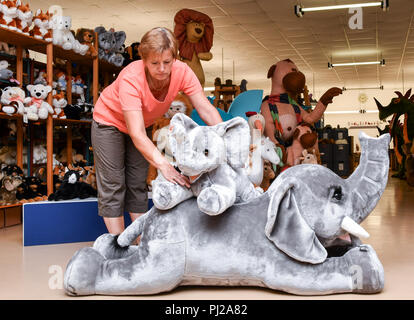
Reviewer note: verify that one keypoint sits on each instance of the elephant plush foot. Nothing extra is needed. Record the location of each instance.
(107, 245)
(215, 200)
(81, 272)
(366, 270)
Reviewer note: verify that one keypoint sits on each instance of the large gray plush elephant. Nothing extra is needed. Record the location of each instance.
(301, 237)
(213, 157)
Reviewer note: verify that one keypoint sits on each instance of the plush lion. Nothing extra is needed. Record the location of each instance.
(87, 36)
(194, 31)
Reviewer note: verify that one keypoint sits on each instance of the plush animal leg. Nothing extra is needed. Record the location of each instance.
(359, 270)
(107, 246)
(155, 267)
(167, 195)
(216, 199)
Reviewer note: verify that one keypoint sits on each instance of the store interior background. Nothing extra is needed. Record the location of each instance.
(250, 36)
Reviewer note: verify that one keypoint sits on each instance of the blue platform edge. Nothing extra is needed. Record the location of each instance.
(55, 222)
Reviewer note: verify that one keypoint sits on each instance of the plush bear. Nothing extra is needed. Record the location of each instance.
(12, 100)
(194, 31)
(38, 95)
(268, 175)
(42, 26)
(283, 113)
(63, 36)
(59, 103)
(72, 188)
(87, 37)
(24, 18)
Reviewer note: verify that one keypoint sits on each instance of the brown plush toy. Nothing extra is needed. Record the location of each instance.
(194, 31)
(9, 189)
(87, 36)
(268, 175)
(282, 113)
(304, 138)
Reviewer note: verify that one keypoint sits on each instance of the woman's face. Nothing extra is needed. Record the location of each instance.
(159, 64)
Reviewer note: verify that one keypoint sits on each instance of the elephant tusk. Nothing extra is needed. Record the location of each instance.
(354, 228)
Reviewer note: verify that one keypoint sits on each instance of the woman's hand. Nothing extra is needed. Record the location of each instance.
(172, 175)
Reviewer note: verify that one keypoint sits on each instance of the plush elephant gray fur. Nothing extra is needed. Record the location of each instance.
(213, 157)
(283, 239)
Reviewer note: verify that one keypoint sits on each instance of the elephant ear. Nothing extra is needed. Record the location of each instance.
(180, 127)
(236, 135)
(288, 230)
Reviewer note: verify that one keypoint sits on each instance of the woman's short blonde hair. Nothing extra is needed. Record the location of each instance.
(158, 40)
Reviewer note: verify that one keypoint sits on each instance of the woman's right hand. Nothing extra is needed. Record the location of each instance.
(172, 175)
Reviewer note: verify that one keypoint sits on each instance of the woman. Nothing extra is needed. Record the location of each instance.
(122, 117)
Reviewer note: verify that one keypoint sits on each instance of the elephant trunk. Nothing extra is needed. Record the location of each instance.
(370, 178)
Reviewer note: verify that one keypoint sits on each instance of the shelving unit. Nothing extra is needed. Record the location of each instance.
(227, 92)
(21, 42)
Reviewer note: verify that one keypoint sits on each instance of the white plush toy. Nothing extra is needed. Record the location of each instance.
(38, 95)
(12, 99)
(63, 37)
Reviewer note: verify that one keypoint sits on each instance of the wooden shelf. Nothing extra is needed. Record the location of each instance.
(4, 115)
(11, 206)
(105, 66)
(71, 121)
(25, 41)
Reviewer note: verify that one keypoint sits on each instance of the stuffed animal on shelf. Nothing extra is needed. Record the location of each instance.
(308, 157)
(5, 73)
(303, 138)
(63, 36)
(42, 27)
(8, 189)
(61, 83)
(38, 95)
(131, 53)
(41, 78)
(9, 14)
(72, 188)
(8, 156)
(194, 31)
(268, 175)
(59, 103)
(12, 170)
(12, 100)
(110, 43)
(213, 158)
(281, 111)
(32, 189)
(87, 37)
(78, 87)
(90, 177)
(24, 18)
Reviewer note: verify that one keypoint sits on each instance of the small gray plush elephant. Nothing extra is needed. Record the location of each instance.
(109, 43)
(301, 236)
(213, 158)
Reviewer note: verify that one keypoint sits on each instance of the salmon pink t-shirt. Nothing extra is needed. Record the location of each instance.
(130, 91)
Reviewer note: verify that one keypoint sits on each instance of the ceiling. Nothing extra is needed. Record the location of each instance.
(250, 36)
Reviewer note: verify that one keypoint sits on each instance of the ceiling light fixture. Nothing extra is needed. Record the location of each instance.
(373, 88)
(331, 65)
(350, 112)
(384, 4)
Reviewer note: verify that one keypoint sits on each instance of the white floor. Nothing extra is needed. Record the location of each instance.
(37, 272)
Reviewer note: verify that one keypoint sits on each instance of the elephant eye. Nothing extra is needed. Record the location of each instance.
(337, 193)
(206, 152)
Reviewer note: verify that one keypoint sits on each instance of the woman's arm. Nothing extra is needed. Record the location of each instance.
(136, 129)
(205, 109)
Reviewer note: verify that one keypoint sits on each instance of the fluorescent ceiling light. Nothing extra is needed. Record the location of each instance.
(209, 88)
(384, 4)
(331, 65)
(349, 112)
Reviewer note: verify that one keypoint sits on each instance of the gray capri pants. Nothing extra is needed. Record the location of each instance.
(121, 172)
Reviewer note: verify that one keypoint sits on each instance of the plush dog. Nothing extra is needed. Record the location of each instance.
(281, 112)
(87, 37)
(8, 189)
(194, 31)
(38, 95)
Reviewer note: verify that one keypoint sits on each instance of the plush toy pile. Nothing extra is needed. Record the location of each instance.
(111, 45)
(298, 236)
